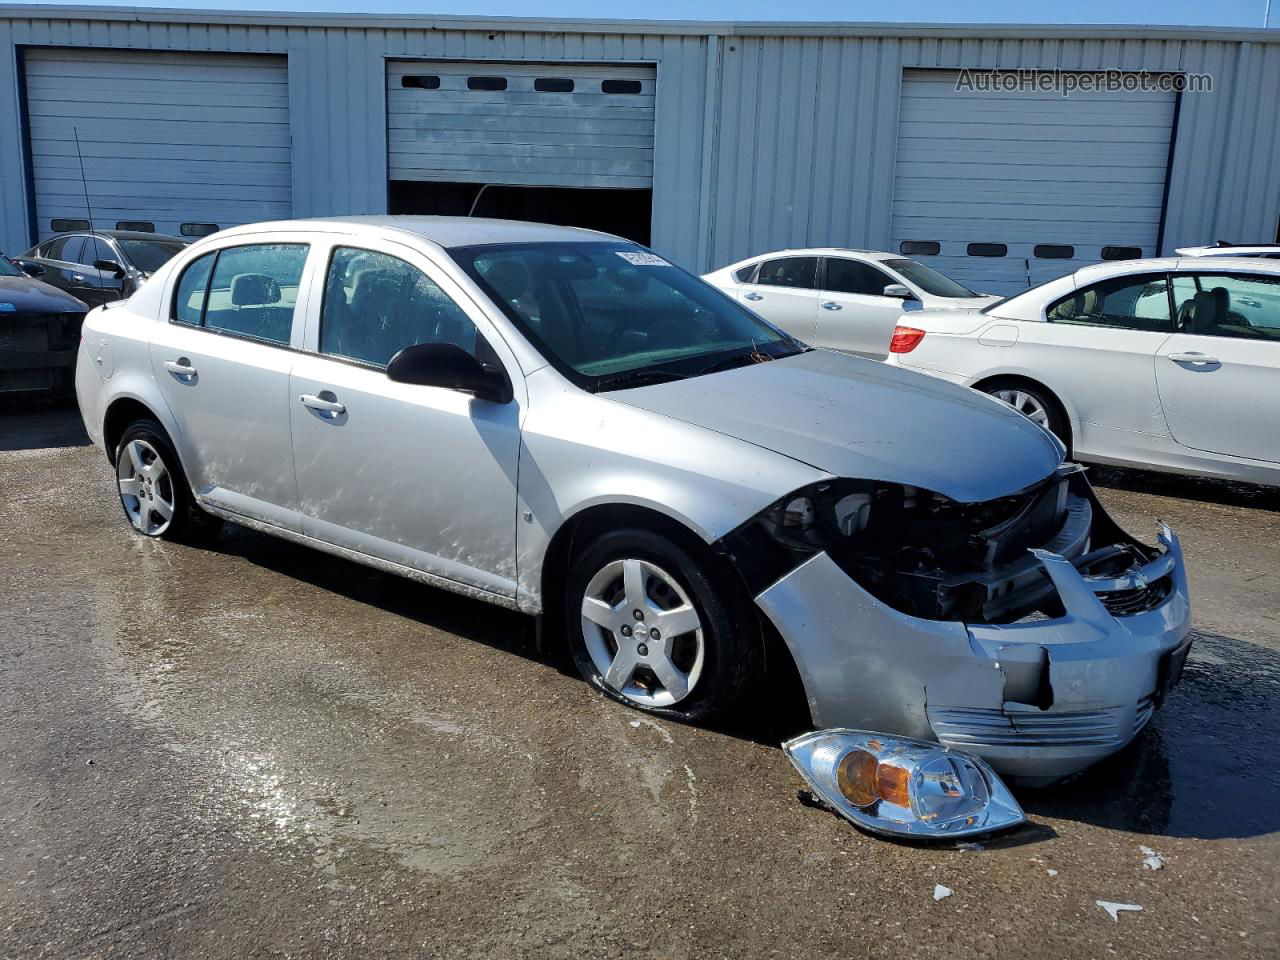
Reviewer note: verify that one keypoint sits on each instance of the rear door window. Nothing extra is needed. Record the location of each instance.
(188, 300)
(799, 272)
(65, 249)
(254, 289)
(1131, 303)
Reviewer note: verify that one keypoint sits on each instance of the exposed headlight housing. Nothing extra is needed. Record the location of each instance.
(902, 787)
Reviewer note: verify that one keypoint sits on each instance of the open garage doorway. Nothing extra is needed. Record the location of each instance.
(626, 213)
(564, 143)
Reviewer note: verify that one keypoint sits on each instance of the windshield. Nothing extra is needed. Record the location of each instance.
(7, 269)
(150, 255)
(614, 315)
(930, 280)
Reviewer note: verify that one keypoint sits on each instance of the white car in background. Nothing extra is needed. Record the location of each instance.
(1223, 249)
(1172, 364)
(840, 299)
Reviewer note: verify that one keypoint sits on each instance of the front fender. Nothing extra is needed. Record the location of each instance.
(580, 451)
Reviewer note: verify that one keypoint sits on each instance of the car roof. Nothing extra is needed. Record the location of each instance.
(444, 231)
(828, 252)
(1231, 250)
(119, 235)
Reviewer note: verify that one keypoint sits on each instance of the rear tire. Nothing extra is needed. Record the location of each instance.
(652, 628)
(1035, 403)
(153, 490)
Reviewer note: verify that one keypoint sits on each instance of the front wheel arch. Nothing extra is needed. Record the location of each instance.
(988, 384)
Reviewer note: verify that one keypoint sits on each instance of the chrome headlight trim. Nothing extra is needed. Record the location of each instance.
(947, 793)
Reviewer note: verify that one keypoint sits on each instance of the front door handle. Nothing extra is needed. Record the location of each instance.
(181, 368)
(831, 305)
(331, 407)
(753, 296)
(78, 277)
(1197, 358)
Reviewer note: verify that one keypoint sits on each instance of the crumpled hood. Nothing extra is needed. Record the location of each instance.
(26, 295)
(860, 418)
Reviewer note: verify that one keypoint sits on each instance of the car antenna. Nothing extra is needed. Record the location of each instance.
(85, 184)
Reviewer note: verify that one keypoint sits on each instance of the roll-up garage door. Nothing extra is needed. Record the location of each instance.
(1017, 187)
(550, 125)
(168, 139)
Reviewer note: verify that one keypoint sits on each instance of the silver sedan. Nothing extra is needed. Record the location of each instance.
(564, 423)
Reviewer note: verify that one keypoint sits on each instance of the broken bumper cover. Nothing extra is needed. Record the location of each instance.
(1038, 699)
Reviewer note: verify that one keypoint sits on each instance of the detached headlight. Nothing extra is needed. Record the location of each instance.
(902, 787)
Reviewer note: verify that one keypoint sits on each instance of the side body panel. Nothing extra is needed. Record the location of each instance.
(580, 450)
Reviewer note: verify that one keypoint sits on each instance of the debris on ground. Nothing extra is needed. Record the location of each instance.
(940, 892)
(969, 846)
(1152, 860)
(1051, 872)
(1113, 909)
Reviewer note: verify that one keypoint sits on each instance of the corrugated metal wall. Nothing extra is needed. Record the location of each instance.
(761, 140)
(808, 130)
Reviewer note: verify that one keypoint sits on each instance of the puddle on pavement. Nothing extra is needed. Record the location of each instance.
(300, 743)
(1204, 767)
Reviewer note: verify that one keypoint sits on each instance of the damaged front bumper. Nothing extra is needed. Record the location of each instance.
(1038, 699)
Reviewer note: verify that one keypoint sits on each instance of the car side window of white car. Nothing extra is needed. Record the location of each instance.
(1228, 305)
(798, 272)
(854, 276)
(1130, 303)
(248, 291)
(375, 305)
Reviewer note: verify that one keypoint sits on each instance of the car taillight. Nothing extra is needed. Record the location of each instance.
(905, 339)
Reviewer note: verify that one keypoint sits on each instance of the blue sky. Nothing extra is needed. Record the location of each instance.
(1227, 13)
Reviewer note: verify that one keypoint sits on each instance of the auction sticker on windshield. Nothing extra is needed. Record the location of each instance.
(642, 259)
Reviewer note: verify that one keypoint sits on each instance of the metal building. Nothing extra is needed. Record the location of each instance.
(711, 141)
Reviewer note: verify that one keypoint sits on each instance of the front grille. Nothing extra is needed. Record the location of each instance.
(967, 726)
(1126, 603)
(25, 332)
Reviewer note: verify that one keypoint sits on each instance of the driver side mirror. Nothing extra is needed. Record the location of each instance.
(448, 365)
(110, 266)
(900, 291)
(29, 268)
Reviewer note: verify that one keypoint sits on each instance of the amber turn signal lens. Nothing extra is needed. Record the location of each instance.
(856, 778)
(891, 784)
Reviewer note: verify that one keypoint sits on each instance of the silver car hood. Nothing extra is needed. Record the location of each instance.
(860, 418)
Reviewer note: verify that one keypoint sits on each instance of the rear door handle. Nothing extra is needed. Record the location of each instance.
(331, 407)
(831, 305)
(78, 277)
(753, 296)
(1200, 358)
(181, 368)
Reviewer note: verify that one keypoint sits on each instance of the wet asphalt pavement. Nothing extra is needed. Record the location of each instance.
(256, 750)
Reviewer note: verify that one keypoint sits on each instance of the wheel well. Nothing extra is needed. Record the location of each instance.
(120, 414)
(1014, 380)
(582, 528)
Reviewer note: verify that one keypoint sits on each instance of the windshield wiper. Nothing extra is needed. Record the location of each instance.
(637, 378)
(738, 360)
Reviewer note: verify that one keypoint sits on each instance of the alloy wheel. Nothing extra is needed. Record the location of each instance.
(1025, 404)
(643, 633)
(146, 488)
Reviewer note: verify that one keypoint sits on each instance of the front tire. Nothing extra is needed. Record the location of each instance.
(652, 628)
(153, 490)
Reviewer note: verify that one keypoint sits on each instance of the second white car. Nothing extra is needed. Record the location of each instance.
(840, 299)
